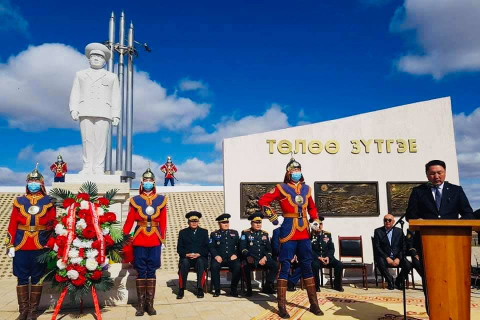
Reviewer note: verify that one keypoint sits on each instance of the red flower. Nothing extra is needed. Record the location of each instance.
(89, 232)
(61, 241)
(67, 202)
(81, 252)
(80, 269)
(59, 278)
(108, 241)
(64, 221)
(83, 196)
(96, 275)
(50, 242)
(60, 252)
(96, 244)
(79, 281)
(103, 201)
(82, 213)
(110, 217)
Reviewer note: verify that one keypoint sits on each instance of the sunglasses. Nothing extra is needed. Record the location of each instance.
(387, 220)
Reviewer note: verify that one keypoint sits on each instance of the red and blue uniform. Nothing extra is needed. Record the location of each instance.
(150, 213)
(59, 170)
(31, 223)
(296, 201)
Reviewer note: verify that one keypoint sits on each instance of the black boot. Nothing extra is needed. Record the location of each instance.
(181, 293)
(200, 293)
(268, 288)
(141, 291)
(233, 291)
(216, 293)
(290, 286)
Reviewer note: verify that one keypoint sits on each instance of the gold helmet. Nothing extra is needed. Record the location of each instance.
(293, 164)
(59, 158)
(35, 174)
(148, 174)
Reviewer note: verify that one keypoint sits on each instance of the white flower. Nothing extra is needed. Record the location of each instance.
(77, 260)
(87, 244)
(100, 211)
(81, 224)
(55, 247)
(72, 274)
(60, 229)
(91, 264)
(105, 231)
(84, 204)
(92, 253)
(77, 243)
(61, 265)
(73, 253)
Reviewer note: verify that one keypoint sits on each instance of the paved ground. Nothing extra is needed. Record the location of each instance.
(354, 303)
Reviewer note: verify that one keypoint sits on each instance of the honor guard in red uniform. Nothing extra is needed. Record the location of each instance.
(169, 170)
(149, 211)
(31, 222)
(295, 199)
(59, 169)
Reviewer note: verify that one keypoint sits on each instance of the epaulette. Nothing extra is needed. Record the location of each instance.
(327, 232)
(246, 230)
(265, 232)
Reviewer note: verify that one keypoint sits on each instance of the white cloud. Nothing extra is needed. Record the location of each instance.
(11, 18)
(446, 34)
(35, 88)
(195, 171)
(273, 118)
(467, 137)
(472, 190)
(199, 87)
(12, 178)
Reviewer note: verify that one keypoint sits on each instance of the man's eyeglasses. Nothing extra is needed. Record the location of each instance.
(387, 220)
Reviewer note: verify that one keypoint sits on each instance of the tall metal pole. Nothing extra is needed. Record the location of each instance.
(121, 70)
(111, 41)
(129, 124)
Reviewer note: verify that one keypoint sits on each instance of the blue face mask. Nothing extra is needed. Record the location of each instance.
(148, 186)
(296, 176)
(33, 187)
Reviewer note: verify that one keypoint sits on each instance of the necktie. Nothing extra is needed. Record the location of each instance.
(438, 197)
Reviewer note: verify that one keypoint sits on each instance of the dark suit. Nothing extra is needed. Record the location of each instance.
(322, 246)
(421, 204)
(192, 241)
(383, 249)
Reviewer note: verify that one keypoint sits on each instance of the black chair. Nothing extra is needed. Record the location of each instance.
(192, 269)
(352, 247)
(377, 272)
(243, 280)
(330, 271)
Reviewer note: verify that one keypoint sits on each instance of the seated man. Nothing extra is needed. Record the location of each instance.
(257, 252)
(224, 247)
(192, 247)
(323, 251)
(388, 243)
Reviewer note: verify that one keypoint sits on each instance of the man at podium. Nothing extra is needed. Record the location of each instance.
(438, 199)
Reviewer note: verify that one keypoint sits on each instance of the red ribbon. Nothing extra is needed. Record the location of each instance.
(98, 230)
(95, 303)
(70, 230)
(59, 304)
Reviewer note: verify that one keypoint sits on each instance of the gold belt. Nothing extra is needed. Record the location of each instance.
(148, 224)
(25, 227)
(290, 215)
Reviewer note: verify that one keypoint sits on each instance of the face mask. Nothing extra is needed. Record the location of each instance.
(33, 186)
(296, 176)
(148, 186)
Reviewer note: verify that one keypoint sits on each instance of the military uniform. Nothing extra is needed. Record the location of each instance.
(59, 170)
(322, 246)
(295, 199)
(192, 241)
(31, 224)
(149, 211)
(169, 170)
(256, 244)
(225, 244)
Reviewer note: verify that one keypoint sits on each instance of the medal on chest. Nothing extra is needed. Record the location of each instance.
(33, 210)
(298, 199)
(149, 210)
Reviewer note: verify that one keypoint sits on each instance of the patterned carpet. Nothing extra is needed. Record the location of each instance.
(356, 306)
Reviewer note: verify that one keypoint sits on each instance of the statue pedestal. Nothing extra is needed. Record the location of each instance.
(104, 183)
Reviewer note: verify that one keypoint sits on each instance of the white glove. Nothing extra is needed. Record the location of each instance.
(115, 121)
(11, 252)
(74, 115)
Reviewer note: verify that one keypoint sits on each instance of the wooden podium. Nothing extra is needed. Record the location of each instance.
(447, 249)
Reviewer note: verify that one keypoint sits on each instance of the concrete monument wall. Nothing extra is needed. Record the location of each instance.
(390, 145)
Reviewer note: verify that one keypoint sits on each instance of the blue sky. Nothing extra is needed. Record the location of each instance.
(225, 68)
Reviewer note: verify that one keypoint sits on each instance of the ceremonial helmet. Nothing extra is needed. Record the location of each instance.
(293, 164)
(169, 159)
(35, 174)
(148, 174)
(59, 158)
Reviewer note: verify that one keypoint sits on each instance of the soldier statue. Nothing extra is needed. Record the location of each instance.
(95, 101)
(295, 199)
(169, 170)
(59, 169)
(31, 222)
(149, 211)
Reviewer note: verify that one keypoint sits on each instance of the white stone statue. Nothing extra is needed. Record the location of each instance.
(95, 101)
